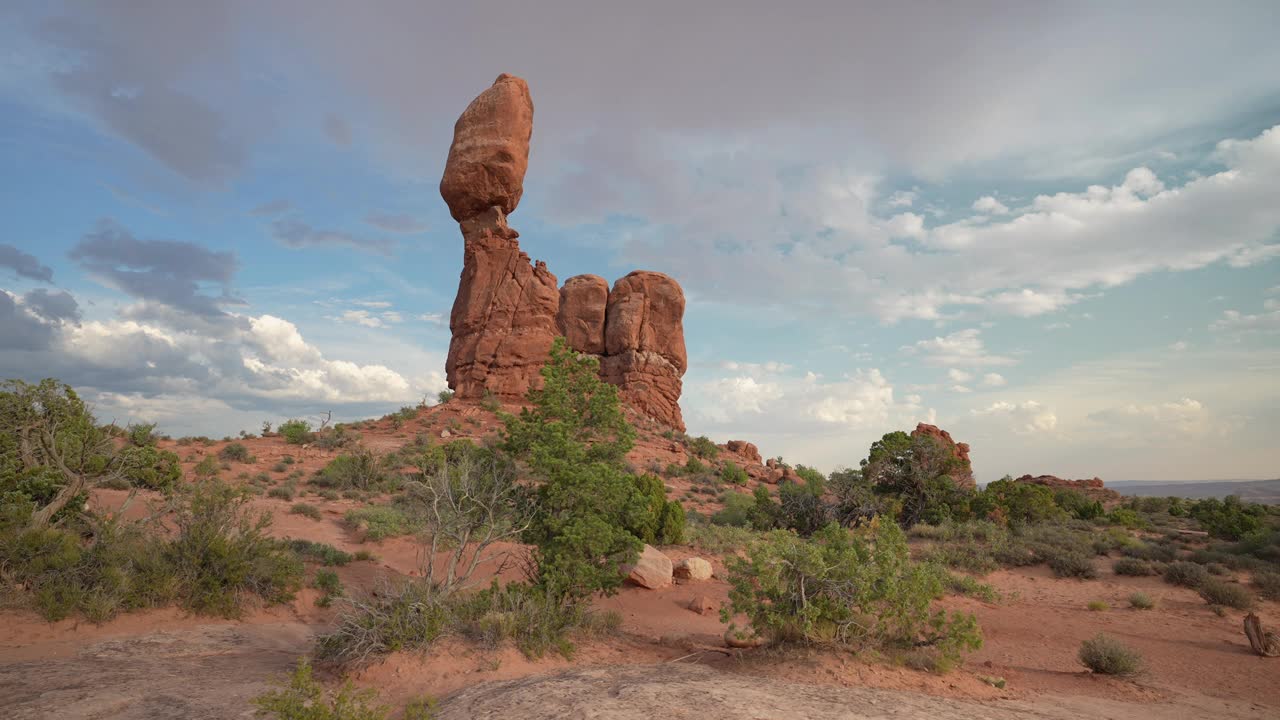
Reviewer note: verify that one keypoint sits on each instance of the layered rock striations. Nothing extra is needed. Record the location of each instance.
(508, 311)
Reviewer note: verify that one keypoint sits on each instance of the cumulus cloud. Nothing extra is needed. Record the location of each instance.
(171, 272)
(1186, 416)
(963, 348)
(1236, 321)
(993, 380)
(1024, 418)
(990, 206)
(297, 234)
(958, 375)
(24, 264)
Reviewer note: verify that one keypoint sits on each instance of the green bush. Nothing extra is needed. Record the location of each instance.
(704, 448)
(801, 507)
(1217, 592)
(1075, 504)
(303, 698)
(379, 522)
(719, 539)
(732, 474)
(207, 467)
(322, 553)
(282, 492)
(330, 587)
(141, 434)
(1132, 567)
(736, 510)
(694, 466)
(1185, 574)
(144, 466)
(235, 452)
(1070, 564)
(1141, 601)
(362, 470)
(1229, 518)
(845, 588)
(1016, 502)
(444, 396)
(1107, 656)
(917, 472)
(310, 511)
(1126, 518)
(296, 432)
(662, 521)
(1267, 584)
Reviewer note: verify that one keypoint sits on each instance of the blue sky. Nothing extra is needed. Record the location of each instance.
(1052, 231)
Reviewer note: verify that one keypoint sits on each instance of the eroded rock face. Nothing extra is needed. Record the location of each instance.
(959, 450)
(583, 301)
(1092, 488)
(508, 312)
(644, 344)
(490, 151)
(745, 450)
(504, 316)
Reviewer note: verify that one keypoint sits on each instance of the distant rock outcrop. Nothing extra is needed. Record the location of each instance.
(1091, 488)
(508, 312)
(960, 451)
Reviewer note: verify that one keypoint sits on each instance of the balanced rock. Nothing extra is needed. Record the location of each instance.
(490, 151)
(583, 301)
(694, 568)
(745, 450)
(960, 451)
(651, 570)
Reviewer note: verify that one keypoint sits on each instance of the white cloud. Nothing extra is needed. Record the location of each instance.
(1179, 346)
(959, 376)
(434, 319)
(361, 317)
(961, 389)
(1185, 416)
(1024, 418)
(993, 380)
(989, 205)
(902, 198)
(1236, 321)
(963, 348)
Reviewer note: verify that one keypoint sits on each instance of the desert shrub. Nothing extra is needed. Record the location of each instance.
(141, 434)
(1016, 502)
(736, 510)
(305, 510)
(1141, 601)
(413, 616)
(444, 396)
(330, 587)
(1229, 518)
(694, 466)
(362, 469)
(322, 553)
(282, 492)
(336, 438)
(1132, 567)
(1075, 504)
(235, 452)
(1148, 551)
(207, 467)
(1267, 584)
(144, 466)
(1098, 606)
(662, 521)
(719, 538)
(970, 587)
(733, 474)
(1185, 574)
(223, 555)
(295, 432)
(1126, 518)
(1217, 569)
(1071, 564)
(302, 697)
(379, 522)
(917, 473)
(279, 467)
(1218, 592)
(703, 447)
(1107, 656)
(801, 507)
(846, 588)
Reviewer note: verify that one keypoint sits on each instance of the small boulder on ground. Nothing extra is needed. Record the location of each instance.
(651, 570)
(694, 568)
(702, 605)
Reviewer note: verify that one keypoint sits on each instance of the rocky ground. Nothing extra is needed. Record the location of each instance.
(666, 661)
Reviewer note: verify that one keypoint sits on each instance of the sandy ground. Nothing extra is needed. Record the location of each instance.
(162, 664)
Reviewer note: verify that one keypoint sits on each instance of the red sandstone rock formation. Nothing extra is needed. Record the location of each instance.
(504, 316)
(644, 344)
(1092, 488)
(745, 450)
(583, 300)
(960, 451)
(508, 312)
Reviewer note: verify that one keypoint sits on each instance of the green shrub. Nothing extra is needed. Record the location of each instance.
(1217, 592)
(379, 522)
(970, 587)
(736, 510)
(322, 553)
(1229, 518)
(662, 521)
(844, 588)
(704, 448)
(330, 587)
(719, 539)
(1132, 567)
(1141, 601)
(362, 469)
(1185, 574)
(207, 467)
(1070, 564)
(235, 452)
(694, 466)
(444, 396)
(310, 511)
(141, 434)
(281, 492)
(1267, 584)
(801, 508)
(1076, 505)
(1217, 569)
(1126, 518)
(222, 553)
(917, 472)
(1107, 656)
(144, 466)
(1016, 502)
(732, 474)
(1098, 606)
(303, 698)
(296, 432)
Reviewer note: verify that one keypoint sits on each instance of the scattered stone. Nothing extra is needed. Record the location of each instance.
(651, 570)
(702, 605)
(694, 568)
(745, 450)
(743, 639)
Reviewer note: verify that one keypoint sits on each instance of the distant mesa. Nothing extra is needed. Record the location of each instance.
(1091, 488)
(509, 311)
